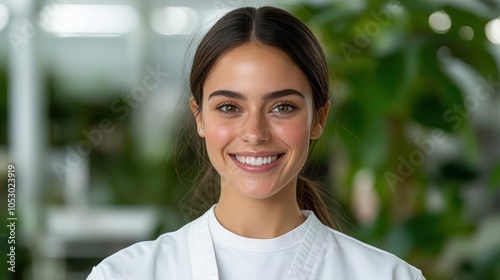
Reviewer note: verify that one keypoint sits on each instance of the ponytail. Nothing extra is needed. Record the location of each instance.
(310, 197)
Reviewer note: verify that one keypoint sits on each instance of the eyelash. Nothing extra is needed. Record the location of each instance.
(226, 104)
(221, 107)
(286, 104)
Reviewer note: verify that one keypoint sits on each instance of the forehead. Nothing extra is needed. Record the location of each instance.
(254, 69)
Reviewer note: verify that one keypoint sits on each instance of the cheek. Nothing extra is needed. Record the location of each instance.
(218, 135)
(294, 133)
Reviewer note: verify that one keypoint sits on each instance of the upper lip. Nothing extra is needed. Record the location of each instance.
(256, 154)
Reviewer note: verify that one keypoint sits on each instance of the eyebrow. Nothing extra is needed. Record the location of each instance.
(265, 97)
(228, 94)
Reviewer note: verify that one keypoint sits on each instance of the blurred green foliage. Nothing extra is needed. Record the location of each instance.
(390, 80)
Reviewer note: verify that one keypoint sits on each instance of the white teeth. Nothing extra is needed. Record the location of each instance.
(256, 161)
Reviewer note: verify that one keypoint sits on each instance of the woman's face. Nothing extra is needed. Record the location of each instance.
(257, 120)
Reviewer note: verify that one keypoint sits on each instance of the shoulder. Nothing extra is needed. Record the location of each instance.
(354, 259)
(139, 261)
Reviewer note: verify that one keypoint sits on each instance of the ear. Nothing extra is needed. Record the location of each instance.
(320, 121)
(200, 127)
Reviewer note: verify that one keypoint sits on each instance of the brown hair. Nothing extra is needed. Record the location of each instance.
(273, 27)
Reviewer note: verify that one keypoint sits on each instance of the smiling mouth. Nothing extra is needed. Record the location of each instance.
(257, 161)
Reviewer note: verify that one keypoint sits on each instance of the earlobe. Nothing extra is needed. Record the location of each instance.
(196, 113)
(316, 132)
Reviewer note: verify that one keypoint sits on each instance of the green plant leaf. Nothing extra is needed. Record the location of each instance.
(494, 180)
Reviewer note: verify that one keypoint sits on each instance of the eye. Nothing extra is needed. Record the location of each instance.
(228, 108)
(284, 108)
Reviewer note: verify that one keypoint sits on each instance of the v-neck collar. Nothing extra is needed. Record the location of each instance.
(204, 265)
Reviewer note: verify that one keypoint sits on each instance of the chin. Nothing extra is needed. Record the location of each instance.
(256, 191)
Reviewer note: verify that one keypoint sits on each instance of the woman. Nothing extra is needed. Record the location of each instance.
(260, 94)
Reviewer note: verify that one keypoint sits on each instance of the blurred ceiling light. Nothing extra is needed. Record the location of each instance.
(174, 20)
(4, 16)
(493, 31)
(89, 20)
(466, 33)
(440, 22)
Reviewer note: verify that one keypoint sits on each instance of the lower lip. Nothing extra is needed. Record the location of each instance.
(256, 168)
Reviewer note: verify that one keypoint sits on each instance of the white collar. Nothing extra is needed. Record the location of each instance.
(202, 252)
(233, 240)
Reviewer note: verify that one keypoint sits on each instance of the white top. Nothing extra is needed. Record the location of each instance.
(190, 253)
(243, 258)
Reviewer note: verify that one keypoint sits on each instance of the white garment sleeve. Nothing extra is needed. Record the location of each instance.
(95, 274)
(420, 277)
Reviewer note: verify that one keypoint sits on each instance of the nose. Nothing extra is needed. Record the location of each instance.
(255, 129)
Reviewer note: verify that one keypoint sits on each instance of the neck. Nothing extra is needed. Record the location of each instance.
(259, 218)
